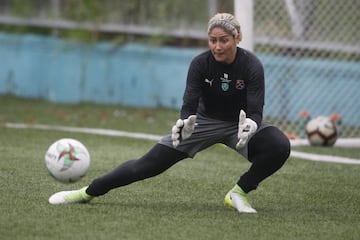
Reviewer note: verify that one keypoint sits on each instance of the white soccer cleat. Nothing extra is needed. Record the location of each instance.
(240, 205)
(67, 197)
(236, 198)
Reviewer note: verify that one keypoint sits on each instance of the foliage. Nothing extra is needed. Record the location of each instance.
(156, 13)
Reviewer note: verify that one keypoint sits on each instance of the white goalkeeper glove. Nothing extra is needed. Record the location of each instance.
(247, 127)
(182, 129)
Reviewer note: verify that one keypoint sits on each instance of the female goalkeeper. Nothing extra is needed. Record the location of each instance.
(223, 103)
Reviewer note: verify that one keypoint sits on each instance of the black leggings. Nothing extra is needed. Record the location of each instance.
(156, 161)
(268, 151)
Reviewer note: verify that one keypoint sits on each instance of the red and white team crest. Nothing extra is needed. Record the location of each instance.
(240, 84)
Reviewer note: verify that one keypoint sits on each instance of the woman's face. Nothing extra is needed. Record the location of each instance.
(223, 45)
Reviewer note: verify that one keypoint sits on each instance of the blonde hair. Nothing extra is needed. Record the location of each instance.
(227, 22)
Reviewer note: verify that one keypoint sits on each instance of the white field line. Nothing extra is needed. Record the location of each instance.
(108, 132)
(341, 142)
(98, 131)
(324, 158)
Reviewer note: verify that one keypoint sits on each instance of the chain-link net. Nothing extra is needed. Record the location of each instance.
(311, 53)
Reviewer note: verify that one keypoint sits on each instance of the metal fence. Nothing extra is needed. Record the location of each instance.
(312, 56)
(310, 48)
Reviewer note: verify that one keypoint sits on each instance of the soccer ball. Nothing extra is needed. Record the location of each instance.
(67, 160)
(321, 131)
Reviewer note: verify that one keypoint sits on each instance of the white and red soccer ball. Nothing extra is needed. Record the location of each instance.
(321, 131)
(67, 160)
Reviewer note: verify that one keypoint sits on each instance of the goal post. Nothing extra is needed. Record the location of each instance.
(244, 13)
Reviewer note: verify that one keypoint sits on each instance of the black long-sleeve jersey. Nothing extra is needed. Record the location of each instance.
(220, 91)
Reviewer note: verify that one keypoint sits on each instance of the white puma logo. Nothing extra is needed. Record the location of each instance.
(209, 81)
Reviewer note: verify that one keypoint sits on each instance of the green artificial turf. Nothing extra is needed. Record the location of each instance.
(304, 200)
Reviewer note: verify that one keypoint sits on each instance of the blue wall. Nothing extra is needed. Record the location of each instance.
(68, 72)
(320, 86)
(139, 75)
